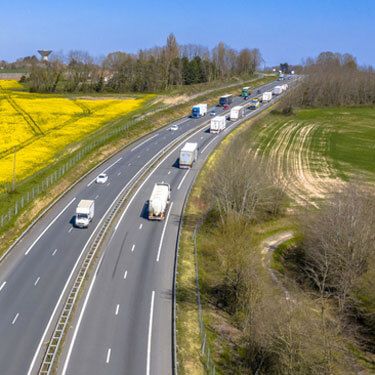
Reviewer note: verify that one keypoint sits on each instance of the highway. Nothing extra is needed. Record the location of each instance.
(125, 325)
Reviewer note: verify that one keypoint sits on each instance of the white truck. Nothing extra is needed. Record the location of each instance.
(237, 112)
(218, 124)
(267, 96)
(277, 90)
(84, 213)
(159, 200)
(199, 110)
(285, 86)
(188, 155)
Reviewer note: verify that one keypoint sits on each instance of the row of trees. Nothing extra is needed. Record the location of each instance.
(154, 69)
(334, 79)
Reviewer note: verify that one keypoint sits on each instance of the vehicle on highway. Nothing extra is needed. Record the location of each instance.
(188, 155)
(159, 200)
(267, 96)
(258, 91)
(199, 110)
(225, 100)
(237, 112)
(277, 90)
(173, 128)
(226, 106)
(213, 113)
(246, 92)
(254, 104)
(102, 178)
(218, 124)
(84, 213)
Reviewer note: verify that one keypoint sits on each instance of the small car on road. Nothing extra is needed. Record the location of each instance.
(173, 128)
(102, 178)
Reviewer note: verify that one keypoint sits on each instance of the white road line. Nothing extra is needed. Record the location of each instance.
(2, 285)
(163, 232)
(49, 225)
(108, 355)
(145, 141)
(15, 318)
(150, 333)
(204, 149)
(37, 281)
(129, 164)
(138, 156)
(117, 309)
(140, 226)
(119, 174)
(97, 197)
(182, 180)
(54, 252)
(108, 184)
(202, 137)
(105, 170)
(133, 247)
(169, 172)
(70, 229)
(125, 274)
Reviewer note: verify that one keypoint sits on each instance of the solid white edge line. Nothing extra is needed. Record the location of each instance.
(145, 141)
(108, 355)
(182, 179)
(2, 285)
(163, 232)
(150, 333)
(104, 170)
(49, 225)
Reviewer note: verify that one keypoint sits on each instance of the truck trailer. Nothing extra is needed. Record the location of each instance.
(277, 90)
(84, 213)
(217, 124)
(188, 155)
(159, 200)
(267, 96)
(199, 110)
(225, 100)
(237, 112)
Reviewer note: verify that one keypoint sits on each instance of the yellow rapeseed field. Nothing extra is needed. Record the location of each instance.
(42, 126)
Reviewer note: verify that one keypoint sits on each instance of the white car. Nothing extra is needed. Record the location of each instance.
(102, 178)
(174, 127)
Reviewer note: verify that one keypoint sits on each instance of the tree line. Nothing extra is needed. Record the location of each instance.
(148, 70)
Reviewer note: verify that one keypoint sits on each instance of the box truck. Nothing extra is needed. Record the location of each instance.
(225, 100)
(199, 110)
(159, 200)
(267, 96)
(237, 112)
(218, 124)
(188, 155)
(277, 90)
(84, 213)
(245, 92)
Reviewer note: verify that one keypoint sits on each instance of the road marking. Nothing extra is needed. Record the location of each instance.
(119, 174)
(138, 156)
(129, 164)
(182, 180)
(105, 170)
(117, 308)
(97, 197)
(15, 318)
(49, 225)
(145, 141)
(108, 355)
(202, 137)
(163, 232)
(54, 252)
(204, 149)
(169, 172)
(2, 285)
(125, 274)
(70, 229)
(37, 281)
(108, 184)
(140, 226)
(150, 333)
(133, 247)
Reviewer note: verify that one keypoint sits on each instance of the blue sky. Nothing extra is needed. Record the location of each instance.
(283, 30)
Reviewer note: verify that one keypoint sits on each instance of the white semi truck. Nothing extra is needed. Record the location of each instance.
(267, 96)
(277, 90)
(199, 110)
(237, 112)
(217, 124)
(84, 213)
(188, 155)
(159, 200)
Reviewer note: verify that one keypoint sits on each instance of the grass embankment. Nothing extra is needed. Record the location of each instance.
(150, 117)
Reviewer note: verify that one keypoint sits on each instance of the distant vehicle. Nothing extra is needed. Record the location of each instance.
(237, 112)
(277, 90)
(267, 96)
(258, 91)
(212, 113)
(245, 92)
(225, 100)
(173, 128)
(84, 213)
(281, 77)
(102, 178)
(199, 110)
(188, 155)
(218, 124)
(159, 200)
(226, 106)
(254, 104)
(285, 86)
